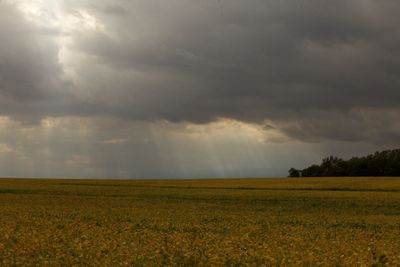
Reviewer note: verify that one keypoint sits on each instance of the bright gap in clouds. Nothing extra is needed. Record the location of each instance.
(58, 18)
(54, 14)
(44, 13)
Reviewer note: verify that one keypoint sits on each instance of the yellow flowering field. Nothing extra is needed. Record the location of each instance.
(226, 222)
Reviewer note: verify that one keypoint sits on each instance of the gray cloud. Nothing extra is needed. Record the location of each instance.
(379, 127)
(109, 148)
(304, 65)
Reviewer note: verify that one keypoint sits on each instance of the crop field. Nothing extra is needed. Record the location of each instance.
(232, 222)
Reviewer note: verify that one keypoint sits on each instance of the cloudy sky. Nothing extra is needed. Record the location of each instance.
(190, 88)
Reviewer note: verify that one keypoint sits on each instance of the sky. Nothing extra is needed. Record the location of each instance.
(194, 89)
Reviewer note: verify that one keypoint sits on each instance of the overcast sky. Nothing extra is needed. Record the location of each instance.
(190, 88)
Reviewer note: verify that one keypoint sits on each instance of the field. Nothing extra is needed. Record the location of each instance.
(234, 222)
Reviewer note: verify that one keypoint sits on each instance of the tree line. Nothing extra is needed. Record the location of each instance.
(384, 163)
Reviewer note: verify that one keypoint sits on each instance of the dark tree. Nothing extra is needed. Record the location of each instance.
(385, 163)
(294, 172)
(312, 171)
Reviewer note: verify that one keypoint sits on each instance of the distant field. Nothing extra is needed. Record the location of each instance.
(234, 222)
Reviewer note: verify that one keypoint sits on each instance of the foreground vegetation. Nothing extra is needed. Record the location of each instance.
(255, 222)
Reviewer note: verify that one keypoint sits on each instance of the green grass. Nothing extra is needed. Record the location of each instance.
(235, 222)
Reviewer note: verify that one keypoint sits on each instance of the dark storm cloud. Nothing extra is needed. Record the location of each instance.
(31, 84)
(380, 127)
(113, 10)
(303, 65)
